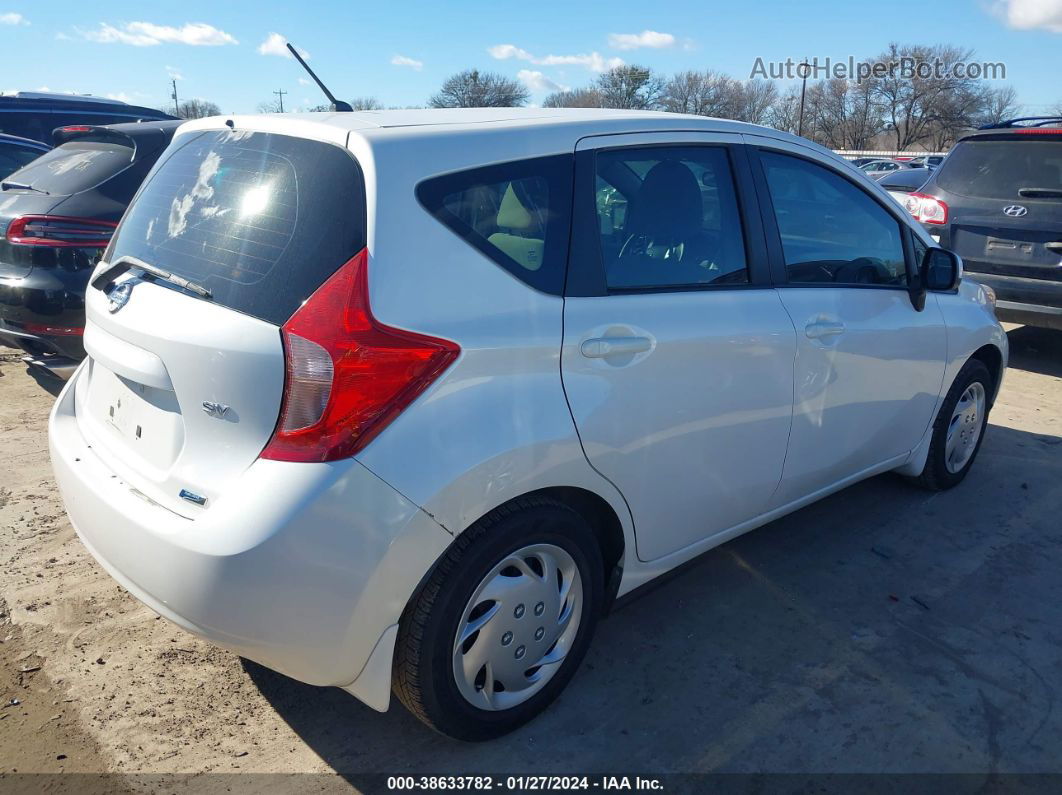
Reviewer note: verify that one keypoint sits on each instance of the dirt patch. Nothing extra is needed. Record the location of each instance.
(104, 685)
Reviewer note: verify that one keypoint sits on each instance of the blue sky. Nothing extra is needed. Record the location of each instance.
(400, 51)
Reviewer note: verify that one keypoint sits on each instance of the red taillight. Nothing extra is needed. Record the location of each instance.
(1037, 131)
(76, 128)
(59, 231)
(927, 209)
(348, 375)
(54, 331)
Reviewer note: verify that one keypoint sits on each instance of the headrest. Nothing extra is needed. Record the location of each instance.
(512, 214)
(668, 203)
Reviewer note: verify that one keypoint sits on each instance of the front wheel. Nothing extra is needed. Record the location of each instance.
(502, 623)
(959, 428)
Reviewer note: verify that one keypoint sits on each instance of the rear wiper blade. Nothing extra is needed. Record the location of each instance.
(1040, 193)
(123, 264)
(9, 184)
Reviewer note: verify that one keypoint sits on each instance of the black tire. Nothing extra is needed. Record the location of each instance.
(423, 678)
(936, 475)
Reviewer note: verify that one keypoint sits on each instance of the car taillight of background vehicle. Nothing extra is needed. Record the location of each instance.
(348, 375)
(927, 209)
(59, 231)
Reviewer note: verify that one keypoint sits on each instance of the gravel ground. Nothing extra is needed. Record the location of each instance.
(882, 629)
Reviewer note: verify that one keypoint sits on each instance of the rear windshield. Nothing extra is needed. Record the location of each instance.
(261, 220)
(74, 167)
(999, 169)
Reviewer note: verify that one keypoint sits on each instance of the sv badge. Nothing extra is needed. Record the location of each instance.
(218, 410)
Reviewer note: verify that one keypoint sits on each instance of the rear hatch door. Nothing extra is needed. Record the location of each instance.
(1005, 205)
(182, 392)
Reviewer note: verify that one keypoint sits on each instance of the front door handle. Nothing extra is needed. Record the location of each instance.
(603, 347)
(825, 328)
(1055, 247)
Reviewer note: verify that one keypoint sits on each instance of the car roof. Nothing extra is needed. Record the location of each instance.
(556, 127)
(17, 139)
(444, 120)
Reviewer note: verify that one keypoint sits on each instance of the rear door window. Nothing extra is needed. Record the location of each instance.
(1000, 169)
(261, 220)
(668, 217)
(74, 167)
(516, 213)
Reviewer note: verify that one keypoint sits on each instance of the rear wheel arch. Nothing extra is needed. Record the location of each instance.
(594, 509)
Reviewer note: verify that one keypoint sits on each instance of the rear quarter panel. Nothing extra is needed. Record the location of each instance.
(496, 425)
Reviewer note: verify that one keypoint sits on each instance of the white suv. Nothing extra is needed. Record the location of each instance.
(404, 400)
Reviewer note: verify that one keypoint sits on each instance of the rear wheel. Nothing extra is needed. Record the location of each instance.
(502, 623)
(959, 428)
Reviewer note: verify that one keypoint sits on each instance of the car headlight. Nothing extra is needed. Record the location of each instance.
(990, 295)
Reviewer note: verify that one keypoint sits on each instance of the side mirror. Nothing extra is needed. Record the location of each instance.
(941, 269)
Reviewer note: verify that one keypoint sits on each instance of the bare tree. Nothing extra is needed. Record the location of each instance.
(630, 86)
(475, 89)
(755, 100)
(269, 106)
(1000, 104)
(578, 98)
(366, 103)
(785, 112)
(193, 109)
(704, 93)
(198, 109)
(911, 105)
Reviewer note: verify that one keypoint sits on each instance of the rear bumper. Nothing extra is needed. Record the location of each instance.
(46, 297)
(300, 567)
(1032, 302)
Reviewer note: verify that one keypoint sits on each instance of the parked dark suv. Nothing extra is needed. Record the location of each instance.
(997, 202)
(57, 215)
(34, 114)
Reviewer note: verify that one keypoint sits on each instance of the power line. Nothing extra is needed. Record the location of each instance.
(281, 94)
(176, 108)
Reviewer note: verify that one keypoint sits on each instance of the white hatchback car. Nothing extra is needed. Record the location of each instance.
(403, 400)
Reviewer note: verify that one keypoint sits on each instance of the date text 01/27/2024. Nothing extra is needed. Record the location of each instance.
(523, 783)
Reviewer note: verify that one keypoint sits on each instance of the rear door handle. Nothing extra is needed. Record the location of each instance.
(816, 331)
(1055, 247)
(603, 347)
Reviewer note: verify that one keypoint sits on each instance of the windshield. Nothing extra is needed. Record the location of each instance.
(999, 169)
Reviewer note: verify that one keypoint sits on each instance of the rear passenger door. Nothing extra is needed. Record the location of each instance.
(869, 365)
(678, 355)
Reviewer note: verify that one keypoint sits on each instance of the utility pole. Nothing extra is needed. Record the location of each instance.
(176, 108)
(281, 94)
(803, 70)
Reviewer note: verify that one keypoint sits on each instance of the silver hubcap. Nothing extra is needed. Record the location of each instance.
(965, 427)
(518, 627)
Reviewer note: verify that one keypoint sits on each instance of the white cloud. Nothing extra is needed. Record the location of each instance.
(11, 18)
(1031, 14)
(174, 73)
(412, 63)
(634, 41)
(147, 34)
(593, 61)
(121, 96)
(538, 83)
(304, 82)
(275, 44)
